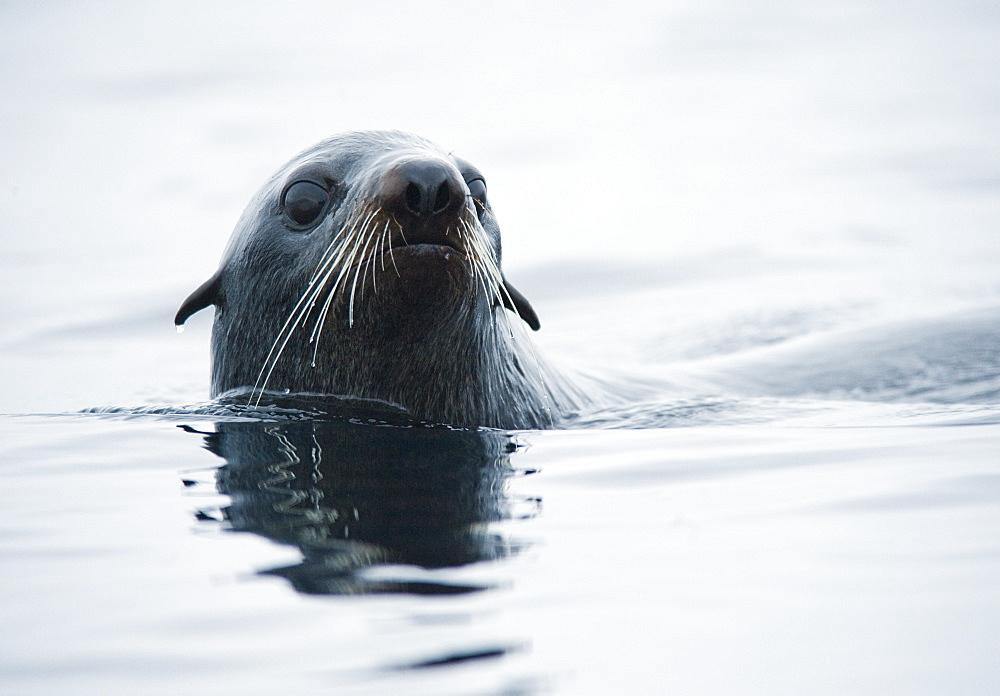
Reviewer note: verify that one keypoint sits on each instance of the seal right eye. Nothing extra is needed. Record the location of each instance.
(304, 202)
(477, 189)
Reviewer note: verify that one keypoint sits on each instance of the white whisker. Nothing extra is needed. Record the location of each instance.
(299, 311)
(488, 272)
(392, 256)
(345, 257)
(354, 284)
(328, 264)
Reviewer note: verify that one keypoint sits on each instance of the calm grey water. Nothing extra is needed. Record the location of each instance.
(778, 224)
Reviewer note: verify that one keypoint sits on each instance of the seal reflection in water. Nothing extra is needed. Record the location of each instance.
(355, 496)
(370, 266)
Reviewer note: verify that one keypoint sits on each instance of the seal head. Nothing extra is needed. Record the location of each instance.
(370, 266)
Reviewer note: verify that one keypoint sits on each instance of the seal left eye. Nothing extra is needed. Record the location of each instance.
(304, 202)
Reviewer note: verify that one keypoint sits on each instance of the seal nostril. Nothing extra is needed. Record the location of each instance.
(413, 198)
(442, 198)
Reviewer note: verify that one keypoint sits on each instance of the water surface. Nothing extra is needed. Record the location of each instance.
(775, 225)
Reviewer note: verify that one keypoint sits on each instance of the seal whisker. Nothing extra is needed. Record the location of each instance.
(325, 258)
(487, 266)
(321, 317)
(343, 237)
(298, 313)
(383, 246)
(273, 362)
(401, 233)
(347, 257)
(354, 230)
(354, 286)
(483, 266)
(330, 267)
(362, 270)
(344, 262)
(370, 261)
(330, 262)
(465, 233)
(392, 255)
(374, 262)
(301, 309)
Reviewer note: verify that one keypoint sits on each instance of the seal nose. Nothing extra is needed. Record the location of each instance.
(429, 188)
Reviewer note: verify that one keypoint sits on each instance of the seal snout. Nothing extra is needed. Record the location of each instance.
(423, 189)
(425, 197)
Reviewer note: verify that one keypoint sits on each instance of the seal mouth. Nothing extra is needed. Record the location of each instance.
(420, 244)
(421, 253)
(425, 249)
(423, 242)
(426, 242)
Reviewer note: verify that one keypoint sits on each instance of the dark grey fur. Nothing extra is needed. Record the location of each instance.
(423, 333)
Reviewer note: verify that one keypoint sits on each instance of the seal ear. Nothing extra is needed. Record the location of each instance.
(206, 294)
(518, 303)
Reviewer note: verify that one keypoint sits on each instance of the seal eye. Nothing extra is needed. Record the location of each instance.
(477, 189)
(304, 202)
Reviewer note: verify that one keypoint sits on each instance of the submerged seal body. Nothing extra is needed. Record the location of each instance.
(369, 267)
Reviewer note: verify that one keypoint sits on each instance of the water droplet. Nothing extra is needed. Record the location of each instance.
(179, 327)
(288, 391)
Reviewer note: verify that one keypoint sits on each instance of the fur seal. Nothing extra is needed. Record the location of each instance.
(369, 266)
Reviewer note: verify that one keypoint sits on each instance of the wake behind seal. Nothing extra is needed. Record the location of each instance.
(369, 266)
